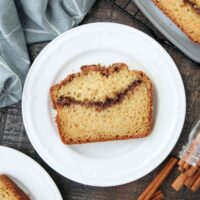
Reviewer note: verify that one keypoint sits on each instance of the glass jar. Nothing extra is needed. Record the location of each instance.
(190, 152)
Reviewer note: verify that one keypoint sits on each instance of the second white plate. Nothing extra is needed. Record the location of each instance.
(107, 163)
(28, 175)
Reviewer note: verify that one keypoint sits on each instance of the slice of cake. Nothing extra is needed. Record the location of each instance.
(103, 103)
(185, 14)
(10, 191)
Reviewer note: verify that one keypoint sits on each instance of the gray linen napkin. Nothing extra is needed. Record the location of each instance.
(29, 21)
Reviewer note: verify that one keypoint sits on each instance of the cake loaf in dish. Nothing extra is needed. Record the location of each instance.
(185, 14)
(10, 191)
(102, 104)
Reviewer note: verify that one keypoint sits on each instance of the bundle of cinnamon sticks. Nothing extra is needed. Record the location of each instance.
(189, 166)
(189, 177)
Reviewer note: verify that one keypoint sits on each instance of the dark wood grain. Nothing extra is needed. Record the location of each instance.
(11, 124)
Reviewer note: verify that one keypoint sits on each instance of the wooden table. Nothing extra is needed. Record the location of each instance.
(11, 124)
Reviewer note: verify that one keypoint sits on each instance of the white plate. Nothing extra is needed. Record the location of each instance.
(107, 163)
(169, 29)
(28, 175)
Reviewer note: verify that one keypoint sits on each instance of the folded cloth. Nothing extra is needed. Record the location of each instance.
(29, 21)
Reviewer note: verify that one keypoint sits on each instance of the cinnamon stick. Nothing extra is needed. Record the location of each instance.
(181, 169)
(186, 165)
(158, 198)
(179, 182)
(190, 180)
(196, 185)
(191, 170)
(158, 195)
(181, 162)
(155, 184)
